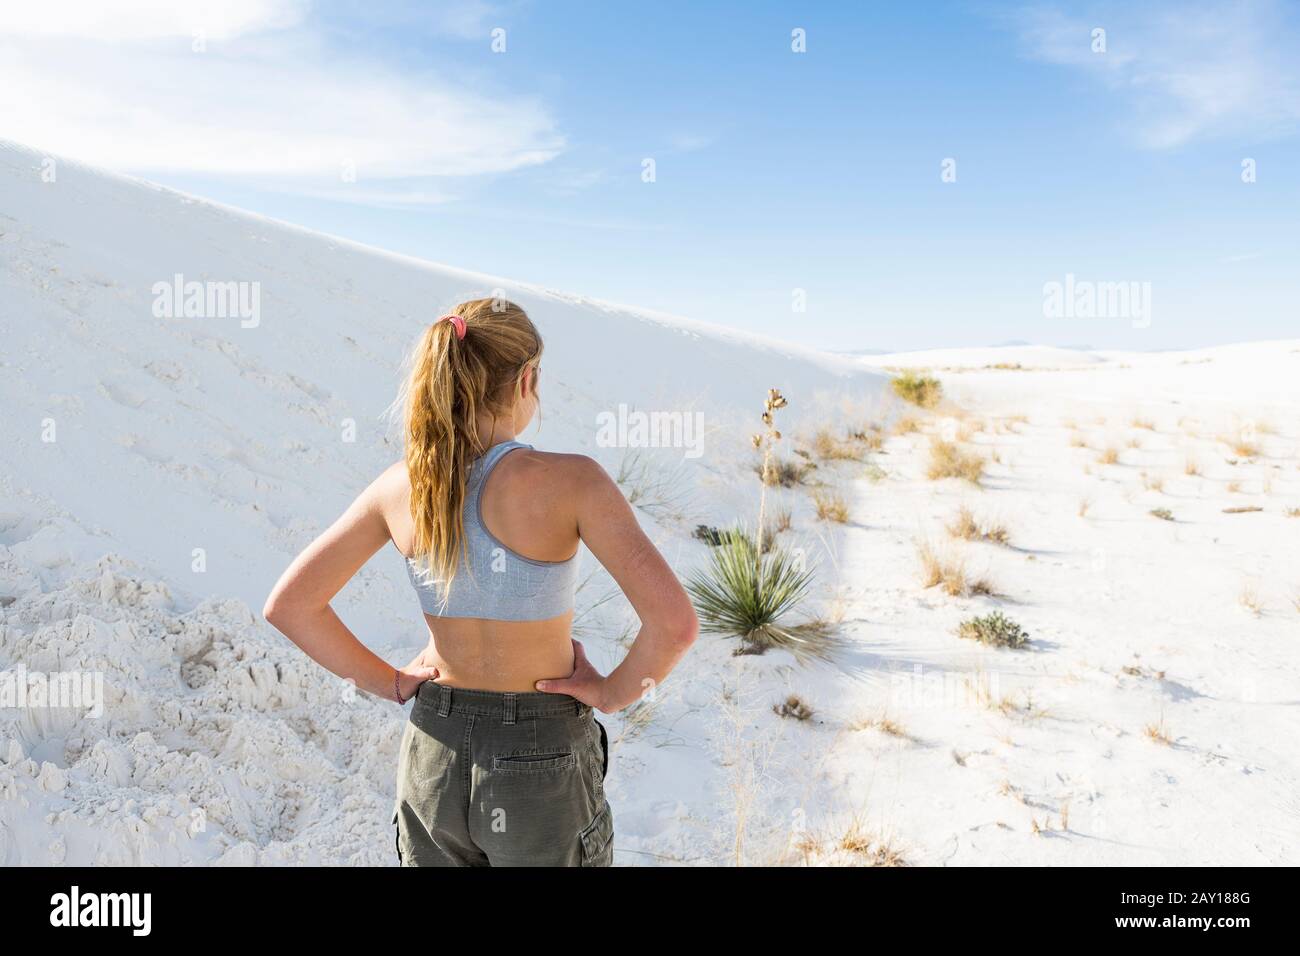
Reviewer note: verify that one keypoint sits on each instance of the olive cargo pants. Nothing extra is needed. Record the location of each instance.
(493, 779)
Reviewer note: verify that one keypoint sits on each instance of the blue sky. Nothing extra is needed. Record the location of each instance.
(775, 170)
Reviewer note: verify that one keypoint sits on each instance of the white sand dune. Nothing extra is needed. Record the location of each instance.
(177, 434)
(221, 743)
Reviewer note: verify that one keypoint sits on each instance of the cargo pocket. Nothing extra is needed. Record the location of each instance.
(598, 839)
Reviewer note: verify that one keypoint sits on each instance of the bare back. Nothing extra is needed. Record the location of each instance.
(528, 504)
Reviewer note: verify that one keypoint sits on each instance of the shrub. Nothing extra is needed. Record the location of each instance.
(793, 707)
(920, 390)
(714, 537)
(1164, 514)
(995, 629)
(744, 595)
(784, 472)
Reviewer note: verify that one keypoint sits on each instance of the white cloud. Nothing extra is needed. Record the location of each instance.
(1187, 70)
(271, 102)
(149, 19)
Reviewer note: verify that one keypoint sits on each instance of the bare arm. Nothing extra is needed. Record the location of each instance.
(608, 526)
(299, 604)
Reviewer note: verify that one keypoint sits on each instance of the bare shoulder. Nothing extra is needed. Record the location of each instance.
(558, 471)
(390, 493)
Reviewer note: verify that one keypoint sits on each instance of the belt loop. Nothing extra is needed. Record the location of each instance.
(510, 709)
(444, 700)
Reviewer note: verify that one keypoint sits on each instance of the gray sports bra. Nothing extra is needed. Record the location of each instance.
(493, 582)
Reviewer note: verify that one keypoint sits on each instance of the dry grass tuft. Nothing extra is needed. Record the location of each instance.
(1249, 598)
(1192, 468)
(831, 506)
(794, 708)
(1109, 456)
(883, 723)
(967, 527)
(870, 437)
(781, 521)
(1158, 732)
(948, 460)
(829, 448)
(907, 425)
(949, 573)
(1241, 446)
(784, 472)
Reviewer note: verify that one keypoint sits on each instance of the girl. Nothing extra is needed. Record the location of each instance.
(502, 762)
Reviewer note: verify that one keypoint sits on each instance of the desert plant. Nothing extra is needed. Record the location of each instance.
(1108, 456)
(1249, 599)
(1241, 445)
(948, 460)
(830, 506)
(995, 629)
(793, 707)
(743, 594)
(1158, 732)
(920, 390)
(870, 435)
(655, 488)
(1192, 468)
(968, 528)
(874, 473)
(948, 572)
(883, 723)
(829, 448)
(781, 521)
(1164, 514)
(784, 472)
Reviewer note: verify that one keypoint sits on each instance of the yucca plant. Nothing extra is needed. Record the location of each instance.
(747, 590)
(743, 594)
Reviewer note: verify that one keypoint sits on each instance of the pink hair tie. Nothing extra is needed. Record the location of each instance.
(456, 322)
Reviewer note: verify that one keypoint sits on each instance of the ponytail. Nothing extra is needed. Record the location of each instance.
(459, 371)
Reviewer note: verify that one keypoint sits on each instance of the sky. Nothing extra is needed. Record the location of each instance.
(918, 175)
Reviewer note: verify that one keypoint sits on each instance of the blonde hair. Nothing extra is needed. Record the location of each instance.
(451, 382)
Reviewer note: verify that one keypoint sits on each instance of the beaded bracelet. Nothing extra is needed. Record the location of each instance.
(397, 687)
